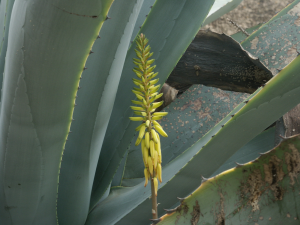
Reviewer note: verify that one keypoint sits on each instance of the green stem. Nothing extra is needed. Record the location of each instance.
(154, 201)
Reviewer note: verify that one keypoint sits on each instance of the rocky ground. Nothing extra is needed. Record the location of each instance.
(248, 14)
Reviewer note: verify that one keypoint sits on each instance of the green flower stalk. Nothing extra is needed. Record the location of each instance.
(146, 93)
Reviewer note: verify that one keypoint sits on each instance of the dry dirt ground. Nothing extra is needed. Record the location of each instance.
(247, 14)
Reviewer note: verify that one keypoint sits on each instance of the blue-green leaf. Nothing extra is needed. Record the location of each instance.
(94, 102)
(264, 191)
(146, 7)
(5, 15)
(49, 42)
(276, 43)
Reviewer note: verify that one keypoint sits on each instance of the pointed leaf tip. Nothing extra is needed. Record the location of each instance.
(170, 210)
(181, 199)
(155, 221)
(204, 179)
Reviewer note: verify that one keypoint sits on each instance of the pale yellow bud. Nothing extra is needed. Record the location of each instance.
(150, 165)
(158, 172)
(136, 118)
(147, 140)
(147, 123)
(139, 97)
(144, 102)
(138, 141)
(144, 153)
(142, 131)
(157, 104)
(161, 131)
(152, 149)
(156, 123)
(137, 108)
(160, 114)
(154, 136)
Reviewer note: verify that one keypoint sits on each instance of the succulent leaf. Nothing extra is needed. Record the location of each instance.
(268, 178)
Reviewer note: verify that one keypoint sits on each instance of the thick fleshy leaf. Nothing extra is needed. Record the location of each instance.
(252, 150)
(217, 60)
(249, 152)
(117, 180)
(276, 43)
(49, 42)
(264, 191)
(189, 118)
(179, 21)
(99, 85)
(146, 7)
(5, 15)
(240, 36)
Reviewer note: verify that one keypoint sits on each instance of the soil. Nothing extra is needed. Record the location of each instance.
(249, 13)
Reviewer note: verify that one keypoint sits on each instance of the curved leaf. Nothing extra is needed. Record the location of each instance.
(240, 36)
(99, 86)
(34, 125)
(146, 7)
(5, 15)
(217, 60)
(276, 43)
(263, 191)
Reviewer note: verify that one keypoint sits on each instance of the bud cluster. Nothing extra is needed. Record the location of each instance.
(149, 130)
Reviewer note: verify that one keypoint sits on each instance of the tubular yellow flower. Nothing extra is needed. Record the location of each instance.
(161, 131)
(142, 131)
(158, 172)
(154, 136)
(152, 149)
(147, 140)
(150, 165)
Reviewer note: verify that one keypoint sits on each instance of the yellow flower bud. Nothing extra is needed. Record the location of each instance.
(154, 136)
(158, 172)
(152, 149)
(150, 165)
(138, 141)
(147, 141)
(161, 131)
(144, 153)
(142, 131)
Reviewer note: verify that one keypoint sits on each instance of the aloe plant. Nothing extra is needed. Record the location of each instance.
(66, 151)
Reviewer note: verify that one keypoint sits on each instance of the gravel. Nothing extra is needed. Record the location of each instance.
(249, 13)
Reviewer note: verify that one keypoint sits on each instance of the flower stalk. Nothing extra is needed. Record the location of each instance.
(149, 130)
